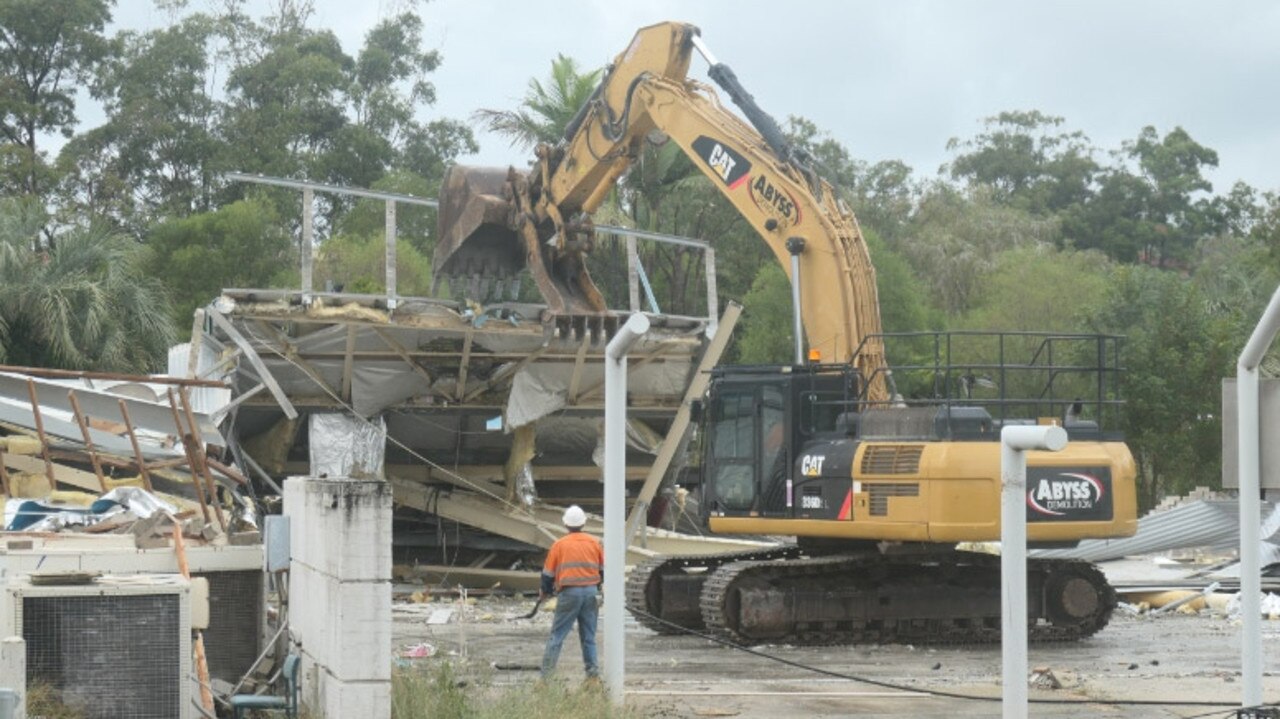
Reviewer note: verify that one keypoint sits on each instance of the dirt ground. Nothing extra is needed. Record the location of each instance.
(1169, 658)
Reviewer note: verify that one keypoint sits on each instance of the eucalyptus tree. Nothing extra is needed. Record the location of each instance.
(47, 49)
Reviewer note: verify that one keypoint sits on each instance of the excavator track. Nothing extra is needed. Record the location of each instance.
(682, 579)
(934, 599)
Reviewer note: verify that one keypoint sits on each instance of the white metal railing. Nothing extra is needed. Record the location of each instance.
(637, 278)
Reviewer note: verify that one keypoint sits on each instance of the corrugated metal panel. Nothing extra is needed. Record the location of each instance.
(204, 400)
(1206, 523)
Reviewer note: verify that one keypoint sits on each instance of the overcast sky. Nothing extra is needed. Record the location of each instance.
(891, 80)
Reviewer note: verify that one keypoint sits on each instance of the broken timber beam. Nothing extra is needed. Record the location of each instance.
(263, 373)
(680, 425)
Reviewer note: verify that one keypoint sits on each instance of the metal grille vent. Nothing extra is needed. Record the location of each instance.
(881, 492)
(114, 657)
(892, 459)
(235, 623)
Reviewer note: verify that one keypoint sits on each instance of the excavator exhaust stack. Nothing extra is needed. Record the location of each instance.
(489, 233)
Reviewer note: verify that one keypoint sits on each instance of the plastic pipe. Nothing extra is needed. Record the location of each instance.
(1250, 482)
(615, 497)
(1014, 443)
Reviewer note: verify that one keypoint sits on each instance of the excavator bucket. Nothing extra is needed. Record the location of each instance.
(479, 249)
(486, 239)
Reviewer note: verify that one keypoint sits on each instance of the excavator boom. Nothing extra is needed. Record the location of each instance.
(495, 223)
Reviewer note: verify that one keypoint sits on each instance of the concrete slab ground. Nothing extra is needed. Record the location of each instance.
(1166, 658)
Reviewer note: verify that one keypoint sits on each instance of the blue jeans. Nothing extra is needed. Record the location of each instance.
(573, 604)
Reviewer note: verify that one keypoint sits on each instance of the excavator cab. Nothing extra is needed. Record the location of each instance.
(761, 423)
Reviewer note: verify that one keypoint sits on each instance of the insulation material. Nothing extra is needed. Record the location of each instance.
(345, 446)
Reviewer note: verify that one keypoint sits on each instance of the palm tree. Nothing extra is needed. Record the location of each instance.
(546, 109)
(81, 302)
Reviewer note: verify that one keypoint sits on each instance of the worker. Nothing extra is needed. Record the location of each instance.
(573, 571)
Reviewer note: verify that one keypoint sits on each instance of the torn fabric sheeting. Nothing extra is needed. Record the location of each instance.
(536, 392)
(345, 446)
(541, 389)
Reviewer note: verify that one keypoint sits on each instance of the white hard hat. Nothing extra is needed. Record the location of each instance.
(574, 517)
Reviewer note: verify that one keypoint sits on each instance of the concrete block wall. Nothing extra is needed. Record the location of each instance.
(340, 593)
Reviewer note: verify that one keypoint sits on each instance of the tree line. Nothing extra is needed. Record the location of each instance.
(109, 243)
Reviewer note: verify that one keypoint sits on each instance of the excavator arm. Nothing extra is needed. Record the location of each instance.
(646, 96)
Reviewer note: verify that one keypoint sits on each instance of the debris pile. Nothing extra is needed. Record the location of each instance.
(98, 453)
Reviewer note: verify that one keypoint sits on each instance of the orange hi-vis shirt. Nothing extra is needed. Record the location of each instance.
(575, 560)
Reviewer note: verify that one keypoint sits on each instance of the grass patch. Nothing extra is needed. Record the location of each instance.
(437, 691)
(46, 702)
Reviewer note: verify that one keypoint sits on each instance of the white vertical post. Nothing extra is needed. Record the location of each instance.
(1014, 442)
(308, 200)
(391, 254)
(615, 511)
(1250, 482)
(713, 295)
(633, 274)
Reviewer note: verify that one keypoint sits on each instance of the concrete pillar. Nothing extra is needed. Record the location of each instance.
(13, 673)
(340, 593)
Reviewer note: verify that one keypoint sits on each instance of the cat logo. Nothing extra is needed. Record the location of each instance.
(811, 465)
(726, 163)
(721, 162)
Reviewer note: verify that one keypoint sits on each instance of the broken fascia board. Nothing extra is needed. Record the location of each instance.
(263, 374)
(63, 432)
(152, 421)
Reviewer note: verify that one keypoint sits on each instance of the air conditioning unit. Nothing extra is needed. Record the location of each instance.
(116, 648)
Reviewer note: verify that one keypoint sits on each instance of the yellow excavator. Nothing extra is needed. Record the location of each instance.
(877, 484)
